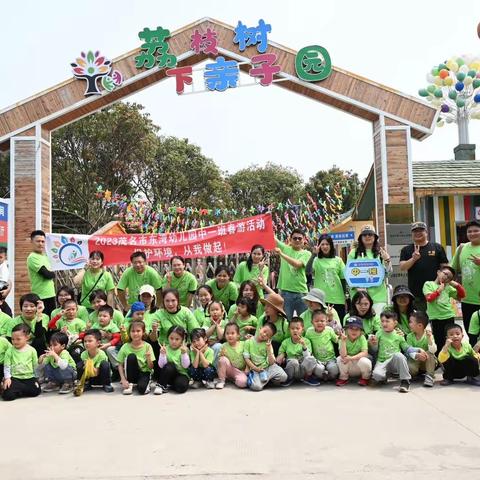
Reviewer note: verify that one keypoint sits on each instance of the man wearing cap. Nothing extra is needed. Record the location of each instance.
(421, 259)
(292, 280)
(467, 262)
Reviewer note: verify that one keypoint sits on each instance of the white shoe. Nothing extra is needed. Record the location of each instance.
(196, 385)
(158, 389)
(210, 384)
(148, 390)
(220, 384)
(129, 390)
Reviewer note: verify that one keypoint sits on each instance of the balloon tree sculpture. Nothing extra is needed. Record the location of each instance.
(455, 89)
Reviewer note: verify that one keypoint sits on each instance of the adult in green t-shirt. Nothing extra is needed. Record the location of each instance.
(94, 277)
(40, 272)
(467, 262)
(182, 280)
(292, 280)
(252, 269)
(327, 271)
(134, 277)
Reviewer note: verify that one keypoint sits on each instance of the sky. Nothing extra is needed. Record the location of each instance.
(392, 43)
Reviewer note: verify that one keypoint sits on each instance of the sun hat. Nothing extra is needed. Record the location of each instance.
(353, 322)
(147, 289)
(276, 301)
(315, 295)
(418, 225)
(366, 229)
(402, 290)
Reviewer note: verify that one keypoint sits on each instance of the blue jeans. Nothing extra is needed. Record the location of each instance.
(293, 303)
(198, 374)
(57, 375)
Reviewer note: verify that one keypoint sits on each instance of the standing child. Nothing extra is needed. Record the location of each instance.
(135, 361)
(390, 358)
(173, 362)
(60, 369)
(353, 360)
(245, 319)
(421, 339)
(323, 338)
(438, 294)
(260, 359)
(93, 367)
(295, 352)
(231, 363)
(19, 367)
(457, 358)
(201, 369)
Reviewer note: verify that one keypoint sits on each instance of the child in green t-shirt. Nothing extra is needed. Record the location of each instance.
(135, 360)
(19, 366)
(201, 369)
(98, 298)
(274, 313)
(353, 360)
(173, 362)
(389, 345)
(245, 318)
(438, 294)
(421, 339)
(4, 346)
(295, 355)
(93, 368)
(231, 363)
(204, 297)
(4, 321)
(59, 368)
(214, 324)
(323, 338)
(458, 359)
(260, 359)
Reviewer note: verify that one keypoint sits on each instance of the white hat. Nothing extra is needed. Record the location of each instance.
(147, 289)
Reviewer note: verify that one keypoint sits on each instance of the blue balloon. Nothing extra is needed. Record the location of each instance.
(459, 86)
(476, 98)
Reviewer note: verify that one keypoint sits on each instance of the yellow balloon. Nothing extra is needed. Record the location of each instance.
(454, 67)
(438, 81)
(448, 81)
(468, 80)
(441, 123)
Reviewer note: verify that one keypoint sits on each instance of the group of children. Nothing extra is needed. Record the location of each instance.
(249, 343)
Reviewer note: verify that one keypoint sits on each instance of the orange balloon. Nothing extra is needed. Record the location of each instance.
(443, 74)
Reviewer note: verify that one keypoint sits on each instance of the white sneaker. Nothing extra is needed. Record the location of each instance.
(158, 389)
(210, 384)
(220, 384)
(129, 390)
(196, 385)
(148, 389)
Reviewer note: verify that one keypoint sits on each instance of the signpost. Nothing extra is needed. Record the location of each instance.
(364, 273)
(343, 238)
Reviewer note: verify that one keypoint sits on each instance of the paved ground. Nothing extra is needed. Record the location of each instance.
(298, 432)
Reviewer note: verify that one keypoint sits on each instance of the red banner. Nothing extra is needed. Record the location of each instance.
(224, 239)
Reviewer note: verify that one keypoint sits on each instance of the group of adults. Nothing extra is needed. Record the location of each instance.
(298, 268)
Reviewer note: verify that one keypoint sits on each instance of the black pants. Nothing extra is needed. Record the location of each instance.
(50, 305)
(22, 388)
(75, 351)
(340, 309)
(103, 377)
(467, 367)
(198, 374)
(468, 309)
(169, 375)
(276, 346)
(135, 375)
(438, 330)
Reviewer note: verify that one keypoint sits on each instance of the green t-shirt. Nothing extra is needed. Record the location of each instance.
(282, 328)
(209, 356)
(322, 343)
(183, 318)
(359, 345)
(22, 363)
(82, 313)
(258, 313)
(200, 315)
(256, 352)
(251, 321)
(328, 274)
(389, 344)
(140, 353)
(148, 319)
(370, 325)
(117, 318)
(294, 350)
(20, 319)
(413, 341)
(227, 295)
(89, 278)
(470, 272)
(185, 284)
(474, 328)
(133, 281)
(306, 316)
(74, 327)
(293, 279)
(64, 355)
(441, 308)
(378, 294)
(4, 346)
(107, 330)
(99, 357)
(466, 350)
(208, 323)
(43, 287)
(4, 322)
(242, 274)
(235, 355)
(403, 324)
(175, 357)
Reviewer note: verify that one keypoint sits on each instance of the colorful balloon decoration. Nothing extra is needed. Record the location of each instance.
(454, 88)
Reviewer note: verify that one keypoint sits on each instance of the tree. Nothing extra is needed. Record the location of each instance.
(106, 149)
(4, 174)
(180, 174)
(265, 185)
(326, 180)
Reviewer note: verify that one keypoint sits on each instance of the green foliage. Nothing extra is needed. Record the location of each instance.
(272, 183)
